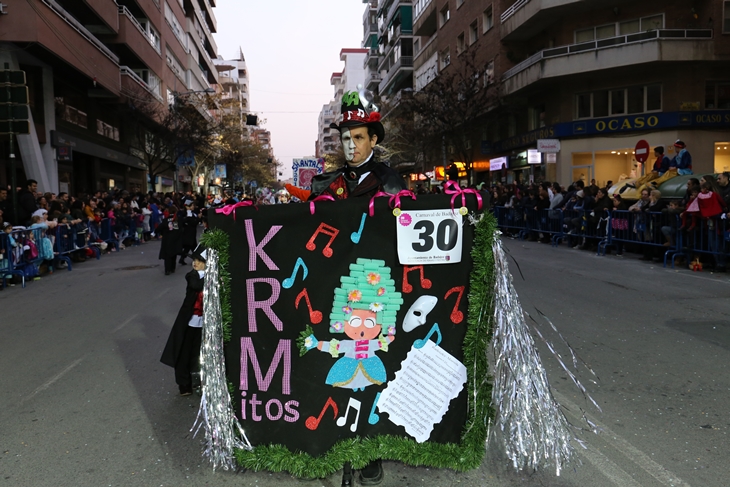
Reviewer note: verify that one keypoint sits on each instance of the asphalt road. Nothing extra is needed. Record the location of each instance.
(86, 401)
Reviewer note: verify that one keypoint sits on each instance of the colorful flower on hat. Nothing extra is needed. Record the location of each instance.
(391, 330)
(338, 326)
(381, 291)
(373, 278)
(355, 295)
(347, 310)
(376, 307)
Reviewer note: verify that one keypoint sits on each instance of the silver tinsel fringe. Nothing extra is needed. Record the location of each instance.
(534, 430)
(223, 432)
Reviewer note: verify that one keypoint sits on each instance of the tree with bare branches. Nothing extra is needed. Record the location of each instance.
(449, 111)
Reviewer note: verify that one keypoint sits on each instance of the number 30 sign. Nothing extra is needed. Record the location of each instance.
(429, 237)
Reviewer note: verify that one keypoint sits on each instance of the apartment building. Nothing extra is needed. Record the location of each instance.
(233, 82)
(598, 75)
(395, 46)
(85, 63)
(352, 76)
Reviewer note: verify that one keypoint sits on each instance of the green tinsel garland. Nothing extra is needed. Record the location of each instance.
(466, 455)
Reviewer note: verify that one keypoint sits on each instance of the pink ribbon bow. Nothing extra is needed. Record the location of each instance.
(393, 199)
(322, 197)
(452, 188)
(228, 209)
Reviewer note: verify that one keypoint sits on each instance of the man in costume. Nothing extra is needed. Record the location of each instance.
(363, 175)
(182, 351)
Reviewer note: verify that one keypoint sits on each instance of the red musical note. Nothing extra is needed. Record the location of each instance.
(315, 316)
(326, 230)
(312, 423)
(407, 287)
(456, 315)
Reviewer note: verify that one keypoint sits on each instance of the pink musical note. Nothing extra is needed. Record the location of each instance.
(456, 315)
(407, 287)
(315, 316)
(326, 230)
(312, 423)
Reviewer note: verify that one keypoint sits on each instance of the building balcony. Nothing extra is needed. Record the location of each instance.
(424, 18)
(371, 60)
(527, 18)
(640, 49)
(133, 37)
(45, 23)
(131, 83)
(397, 74)
(373, 81)
(207, 8)
(106, 10)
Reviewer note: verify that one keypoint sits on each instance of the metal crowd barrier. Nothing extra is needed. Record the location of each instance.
(619, 228)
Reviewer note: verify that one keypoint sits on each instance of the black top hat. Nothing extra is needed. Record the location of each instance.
(200, 253)
(355, 114)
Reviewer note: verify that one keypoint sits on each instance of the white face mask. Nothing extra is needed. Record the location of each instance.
(348, 145)
(418, 312)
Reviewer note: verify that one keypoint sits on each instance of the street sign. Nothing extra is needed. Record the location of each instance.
(548, 145)
(14, 94)
(17, 112)
(641, 152)
(8, 77)
(19, 127)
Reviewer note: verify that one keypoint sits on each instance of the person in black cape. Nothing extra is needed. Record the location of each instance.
(182, 351)
(362, 176)
(189, 221)
(172, 240)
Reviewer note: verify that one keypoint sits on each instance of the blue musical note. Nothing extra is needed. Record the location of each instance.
(434, 329)
(355, 236)
(374, 417)
(289, 281)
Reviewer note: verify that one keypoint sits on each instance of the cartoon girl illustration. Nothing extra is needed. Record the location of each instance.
(364, 308)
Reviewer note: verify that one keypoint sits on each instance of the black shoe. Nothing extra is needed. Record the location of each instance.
(167, 273)
(372, 474)
(182, 262)
(186, 390)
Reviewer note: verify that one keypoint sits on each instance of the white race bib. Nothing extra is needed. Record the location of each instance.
(429, 237)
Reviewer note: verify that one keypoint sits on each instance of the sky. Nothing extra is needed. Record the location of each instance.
(291, 48)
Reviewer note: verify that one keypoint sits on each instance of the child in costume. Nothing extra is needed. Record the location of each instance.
(364, 308)
(182, 350)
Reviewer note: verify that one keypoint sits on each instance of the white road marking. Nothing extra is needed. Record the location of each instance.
(162, 294)
(53, 379)
(124, 324)
(638, 457)
(609, 469)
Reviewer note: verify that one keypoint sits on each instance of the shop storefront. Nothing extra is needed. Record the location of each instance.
(603, 149)
(87, 167)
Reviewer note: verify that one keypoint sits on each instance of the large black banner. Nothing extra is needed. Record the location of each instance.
(332, 338)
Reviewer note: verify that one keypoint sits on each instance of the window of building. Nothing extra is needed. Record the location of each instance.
(643, 24)
(175, 26)
(107, 130)
(726, 17)
(444, 15)
(487, 19)
(489, 74)
(634, 99)
(473, 32)
(717, 95)
(445, 58)
(460, 45)
(459, 3)
(65, 111)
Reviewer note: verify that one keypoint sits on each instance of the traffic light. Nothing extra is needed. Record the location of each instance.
(19, 127)
(17, 112)
(14, 94)
(252, 120)
(8, 77)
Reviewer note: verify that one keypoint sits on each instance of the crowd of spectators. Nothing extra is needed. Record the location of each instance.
(108, 220)
(581, 212)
